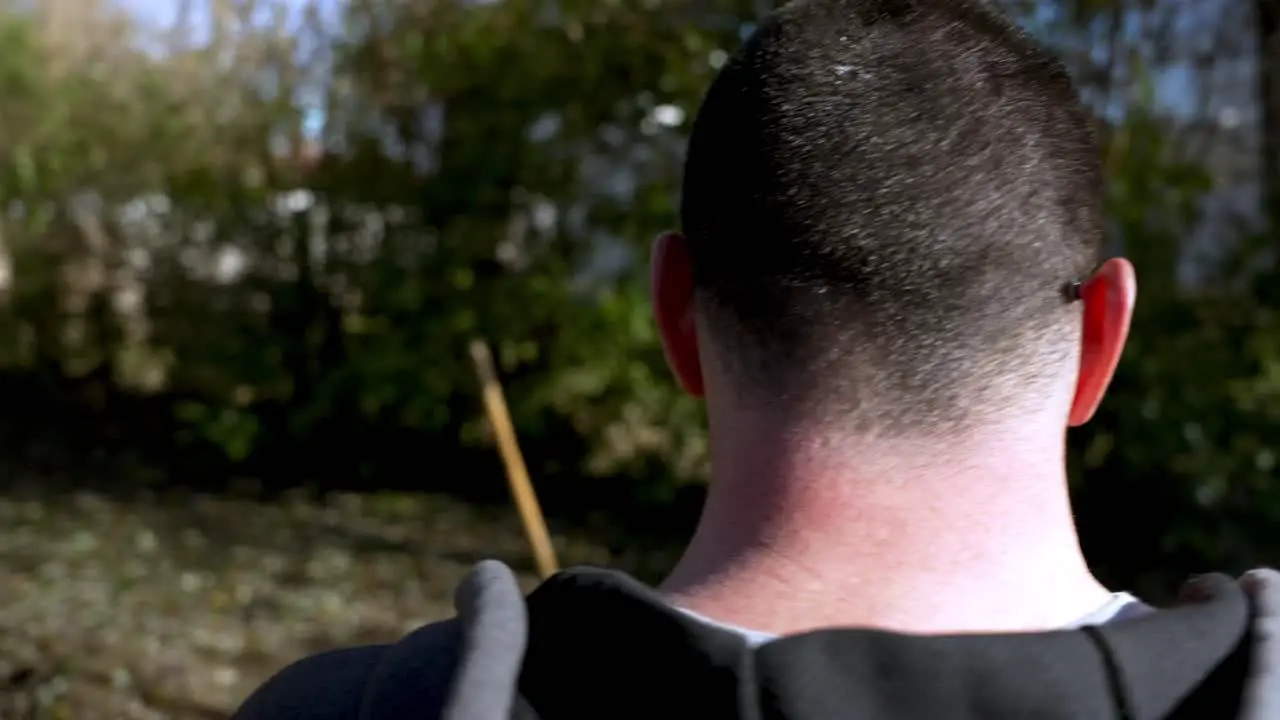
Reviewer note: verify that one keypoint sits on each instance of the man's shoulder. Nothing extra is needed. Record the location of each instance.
(469, 663)
(343, 684)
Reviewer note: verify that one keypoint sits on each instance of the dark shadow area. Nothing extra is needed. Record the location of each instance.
(89, 435)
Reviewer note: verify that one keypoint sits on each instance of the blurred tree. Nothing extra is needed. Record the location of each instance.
(1267, 14)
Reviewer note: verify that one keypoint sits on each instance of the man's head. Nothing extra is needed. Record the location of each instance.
(886, 205)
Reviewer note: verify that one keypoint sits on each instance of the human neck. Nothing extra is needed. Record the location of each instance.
(913, 541)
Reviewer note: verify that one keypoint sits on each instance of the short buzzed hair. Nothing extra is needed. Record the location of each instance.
(885, 202)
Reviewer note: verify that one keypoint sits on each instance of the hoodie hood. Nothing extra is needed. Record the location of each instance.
(602, 643)
(597, 644)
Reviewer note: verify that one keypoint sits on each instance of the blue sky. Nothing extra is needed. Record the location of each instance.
(164, 12)
(1173, 85)
(160, 11)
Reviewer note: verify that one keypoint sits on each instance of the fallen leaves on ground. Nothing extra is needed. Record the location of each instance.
(175, 606)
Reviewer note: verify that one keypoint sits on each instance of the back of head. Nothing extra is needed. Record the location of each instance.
(885, 201)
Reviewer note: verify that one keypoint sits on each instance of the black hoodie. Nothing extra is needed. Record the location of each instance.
(597, 644)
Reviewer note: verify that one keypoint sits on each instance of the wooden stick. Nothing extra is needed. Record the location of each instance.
(495, 406)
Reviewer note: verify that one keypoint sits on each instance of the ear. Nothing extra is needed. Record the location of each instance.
(674, 310)
(1108, 298)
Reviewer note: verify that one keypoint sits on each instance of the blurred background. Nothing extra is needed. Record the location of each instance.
(244, 246)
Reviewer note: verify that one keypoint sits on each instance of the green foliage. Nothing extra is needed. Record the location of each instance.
(233, 431)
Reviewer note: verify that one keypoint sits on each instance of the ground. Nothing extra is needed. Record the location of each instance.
(176, 604)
